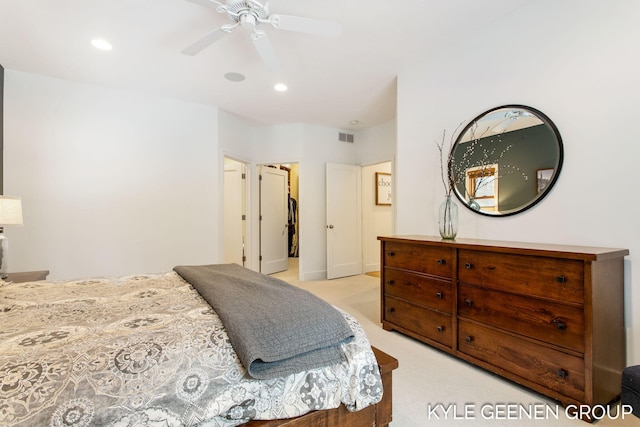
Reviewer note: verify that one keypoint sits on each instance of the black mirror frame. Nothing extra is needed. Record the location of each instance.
(547, 121)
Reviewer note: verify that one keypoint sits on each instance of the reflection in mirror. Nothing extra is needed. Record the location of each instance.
(505, 160)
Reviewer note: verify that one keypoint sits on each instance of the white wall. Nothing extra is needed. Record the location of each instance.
(113, 183)
(575, 63)
(235, 136)
(376, 144)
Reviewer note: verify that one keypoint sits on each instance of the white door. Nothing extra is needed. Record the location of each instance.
(344, 221)
(274, 230)
(234, 213)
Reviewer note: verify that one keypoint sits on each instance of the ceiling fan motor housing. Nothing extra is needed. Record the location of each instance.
(248, 12)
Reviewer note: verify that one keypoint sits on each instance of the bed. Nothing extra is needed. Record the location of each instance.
(151, 350)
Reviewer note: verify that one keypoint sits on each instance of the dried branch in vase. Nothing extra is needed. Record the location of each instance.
(480, 163)
(447, 181)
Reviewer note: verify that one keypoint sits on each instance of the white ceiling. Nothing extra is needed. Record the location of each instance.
(331, 81)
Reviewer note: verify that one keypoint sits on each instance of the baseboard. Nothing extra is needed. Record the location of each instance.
(315, 275)
(372, 267)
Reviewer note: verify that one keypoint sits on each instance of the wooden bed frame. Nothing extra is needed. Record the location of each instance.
(379, 415)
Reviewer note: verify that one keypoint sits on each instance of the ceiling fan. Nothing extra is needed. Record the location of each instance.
(510, 117)
(249, 15)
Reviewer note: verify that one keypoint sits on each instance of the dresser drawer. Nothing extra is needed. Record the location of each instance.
(550, 368)
(420, 258)
(427, 323)
(554, 323)
(419, 289)
(552, 278)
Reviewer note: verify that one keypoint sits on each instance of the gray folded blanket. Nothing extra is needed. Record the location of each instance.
(275, 328)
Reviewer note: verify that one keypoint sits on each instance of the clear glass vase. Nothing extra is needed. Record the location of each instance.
(448, 219)
(473, 204)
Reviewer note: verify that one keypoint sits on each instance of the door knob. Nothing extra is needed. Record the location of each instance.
(329, 226)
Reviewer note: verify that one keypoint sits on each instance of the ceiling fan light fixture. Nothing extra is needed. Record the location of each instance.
(248, 21)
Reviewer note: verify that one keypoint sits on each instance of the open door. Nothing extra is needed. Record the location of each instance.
(234, 215)
(274, 227)
(344, 221)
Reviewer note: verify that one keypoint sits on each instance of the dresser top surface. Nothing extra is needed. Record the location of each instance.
(588, 253)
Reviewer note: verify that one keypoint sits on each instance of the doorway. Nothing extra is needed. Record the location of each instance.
(278, 217)
(235, 216)
(344, 220)
(356, 217)
(377, 218)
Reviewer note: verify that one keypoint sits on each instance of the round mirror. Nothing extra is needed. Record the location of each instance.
(505, 160)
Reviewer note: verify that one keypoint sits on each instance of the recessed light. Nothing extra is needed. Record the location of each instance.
(280, 87)
(354, 122)
(101, 44)
(234, 77)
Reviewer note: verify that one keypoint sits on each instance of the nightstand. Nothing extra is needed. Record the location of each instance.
(27, 276)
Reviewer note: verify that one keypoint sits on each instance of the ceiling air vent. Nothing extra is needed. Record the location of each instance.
(345, 137)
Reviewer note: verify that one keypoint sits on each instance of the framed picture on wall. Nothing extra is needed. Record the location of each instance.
(383, 188)
(543, 178)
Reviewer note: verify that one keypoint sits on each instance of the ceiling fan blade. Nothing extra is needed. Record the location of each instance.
(306, 25)
(206, 41)
(265, 49)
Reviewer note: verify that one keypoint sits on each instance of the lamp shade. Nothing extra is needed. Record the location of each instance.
(10, 210)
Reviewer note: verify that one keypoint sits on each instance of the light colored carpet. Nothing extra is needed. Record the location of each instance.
(427, 378)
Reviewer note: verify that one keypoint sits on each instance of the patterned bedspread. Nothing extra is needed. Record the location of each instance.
(148, 351)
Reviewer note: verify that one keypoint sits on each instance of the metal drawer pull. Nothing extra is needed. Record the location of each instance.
(391, 282)
(560, 324)
(468, 302)
(391, 310)
(441, 262)
(439, 295)
(468, 338)
(562, 373)
(468, 266)
(561, 279)
(440, 328)
(391, 254)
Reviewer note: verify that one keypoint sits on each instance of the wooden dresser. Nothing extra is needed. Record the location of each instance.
(549, 317)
